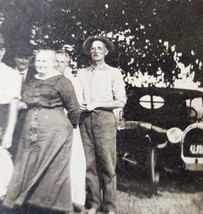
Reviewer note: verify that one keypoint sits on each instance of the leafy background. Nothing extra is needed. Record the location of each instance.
(154, 39)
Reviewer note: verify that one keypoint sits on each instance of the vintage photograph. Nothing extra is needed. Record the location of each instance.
(101, 107)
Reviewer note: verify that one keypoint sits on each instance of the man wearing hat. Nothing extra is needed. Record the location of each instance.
(23, 54)
(103, 91)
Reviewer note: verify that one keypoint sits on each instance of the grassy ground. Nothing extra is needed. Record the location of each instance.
(177, 194)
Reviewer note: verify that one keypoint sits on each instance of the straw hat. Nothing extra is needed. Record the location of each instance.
(88, 42)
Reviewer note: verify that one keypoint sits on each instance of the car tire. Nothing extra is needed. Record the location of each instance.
(153, 166)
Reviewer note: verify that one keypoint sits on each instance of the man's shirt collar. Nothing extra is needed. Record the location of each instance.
(104, 66)
(22, 72)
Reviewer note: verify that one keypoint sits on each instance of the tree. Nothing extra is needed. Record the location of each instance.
(148, 34)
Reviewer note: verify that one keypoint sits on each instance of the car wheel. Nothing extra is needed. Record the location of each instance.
(192, 114)
(153, 166)
(121, 166)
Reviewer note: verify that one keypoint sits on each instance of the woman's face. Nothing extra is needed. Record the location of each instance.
(45, 61)
(62, 62)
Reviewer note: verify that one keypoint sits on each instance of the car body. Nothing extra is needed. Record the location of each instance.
(162, 129)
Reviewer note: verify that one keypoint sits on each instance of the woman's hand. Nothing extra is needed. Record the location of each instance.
(83, 107)
(21, 105)
(7, 140)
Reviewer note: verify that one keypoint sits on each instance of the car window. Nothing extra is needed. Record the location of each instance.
(151, 102)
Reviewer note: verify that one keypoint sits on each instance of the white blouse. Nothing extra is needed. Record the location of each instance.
(76, 84)
(10, 84)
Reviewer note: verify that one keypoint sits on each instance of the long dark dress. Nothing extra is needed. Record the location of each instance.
(41, 176)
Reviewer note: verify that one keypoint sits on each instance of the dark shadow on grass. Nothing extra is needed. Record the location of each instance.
(27, 210)
(181, 182)
(134, 181)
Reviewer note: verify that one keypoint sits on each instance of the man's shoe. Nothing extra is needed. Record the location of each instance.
(78, 207)
(91, 211)
(110, 212)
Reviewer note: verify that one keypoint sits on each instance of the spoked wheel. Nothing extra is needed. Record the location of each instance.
(153, 167)
(192, 114)
(122, 166)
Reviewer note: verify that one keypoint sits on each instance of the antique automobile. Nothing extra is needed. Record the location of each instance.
(162, 129)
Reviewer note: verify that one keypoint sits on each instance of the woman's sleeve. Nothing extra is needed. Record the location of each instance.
(78, 88)
(69, 100)
(14, 86)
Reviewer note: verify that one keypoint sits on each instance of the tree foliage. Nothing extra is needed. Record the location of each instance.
(140, 30)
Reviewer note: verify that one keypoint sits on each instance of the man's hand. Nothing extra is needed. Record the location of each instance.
(89, 106)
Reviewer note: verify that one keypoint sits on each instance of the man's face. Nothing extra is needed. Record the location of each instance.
(2, 52)
(98, 51)
(62, 62)
(22, 63)
(45, 61)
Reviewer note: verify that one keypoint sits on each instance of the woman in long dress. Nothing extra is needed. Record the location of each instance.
(78, 162)
(42, 166)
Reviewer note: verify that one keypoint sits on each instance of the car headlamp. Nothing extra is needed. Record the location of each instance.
(174, 135)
